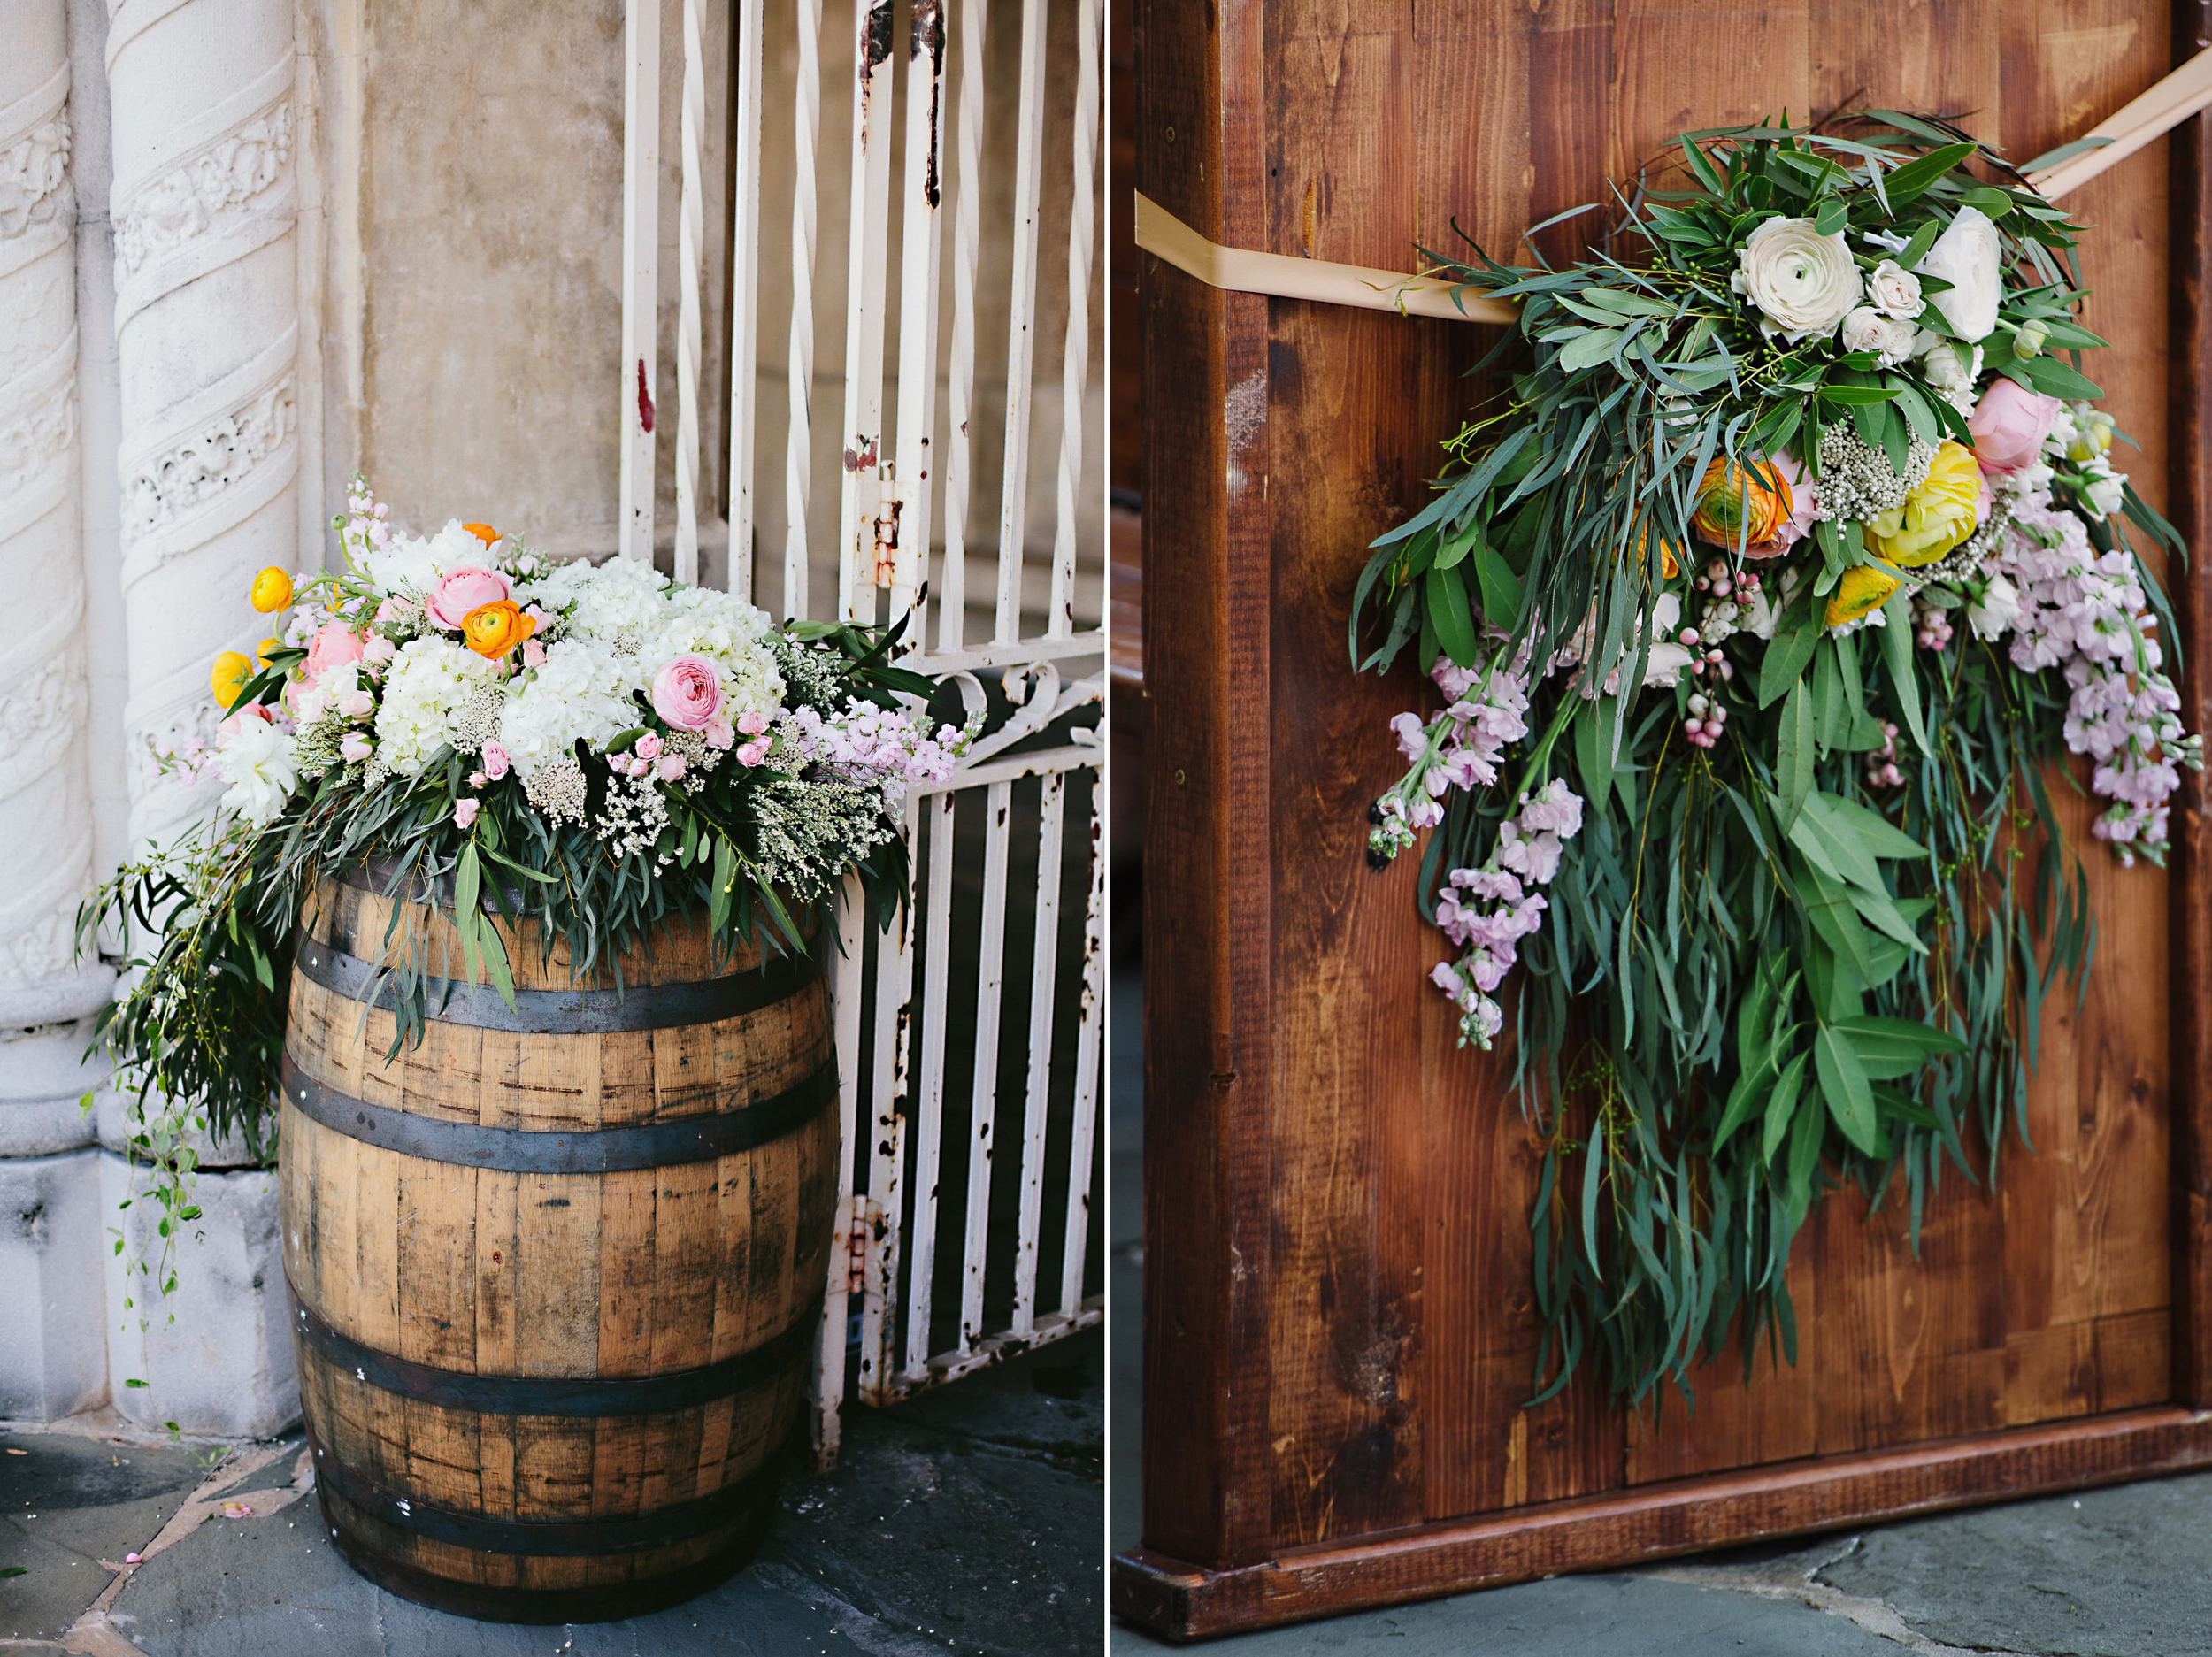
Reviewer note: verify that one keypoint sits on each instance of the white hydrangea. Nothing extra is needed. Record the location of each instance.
(430, 681)
(620, 604)
(412, 564)
(256, 762)
(582, 693)
(728, 631)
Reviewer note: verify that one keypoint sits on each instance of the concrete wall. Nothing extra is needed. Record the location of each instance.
(485, 378)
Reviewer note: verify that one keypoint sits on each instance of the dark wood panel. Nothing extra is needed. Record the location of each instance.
(1339, 1339)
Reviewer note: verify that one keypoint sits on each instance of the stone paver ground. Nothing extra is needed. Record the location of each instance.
(2124, 1572)
(963, 1521)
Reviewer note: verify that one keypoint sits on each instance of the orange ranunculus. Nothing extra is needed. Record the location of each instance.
(484, 532)
(492, 630)
(1731, 496)
(1670, 563)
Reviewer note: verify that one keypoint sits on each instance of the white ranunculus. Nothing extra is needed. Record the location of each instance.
(1966, 256)
(1951, 366)
(255, 760)
(1801, 281)
(1895, 291)
(1995, 610)
(1867, 329)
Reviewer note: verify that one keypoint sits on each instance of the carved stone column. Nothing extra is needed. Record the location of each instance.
(204, 206)
(53, 1357)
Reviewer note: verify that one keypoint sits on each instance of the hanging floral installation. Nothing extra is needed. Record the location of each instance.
(592, 746)
(1757, 601)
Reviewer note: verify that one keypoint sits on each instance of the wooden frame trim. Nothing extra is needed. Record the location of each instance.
(1180, 1601)
(2189, 466)
(1208, 904)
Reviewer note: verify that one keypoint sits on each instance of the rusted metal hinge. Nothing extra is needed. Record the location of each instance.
(866, 1215)
(884, 528)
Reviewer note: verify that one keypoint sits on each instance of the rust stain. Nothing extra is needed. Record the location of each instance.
(644, 400)
(929, 42)
(860, 456)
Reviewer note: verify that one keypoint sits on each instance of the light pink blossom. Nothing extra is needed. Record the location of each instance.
(333, 645)
(464, 811)
(688, 692)
(462, 590)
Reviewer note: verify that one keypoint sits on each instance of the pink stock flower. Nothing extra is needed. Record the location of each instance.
(688, 692)
(333, 645)
(719, 734)
(462, 590)
(496, 760)
(465, 812)
(2010, 425)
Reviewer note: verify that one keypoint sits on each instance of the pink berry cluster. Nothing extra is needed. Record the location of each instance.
(1707, 720)
(1881, 764)
(1931, 627)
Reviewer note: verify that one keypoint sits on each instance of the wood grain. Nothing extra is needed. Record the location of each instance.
(520, 1276)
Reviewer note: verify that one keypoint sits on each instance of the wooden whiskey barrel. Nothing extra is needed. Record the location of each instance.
(555, 1270)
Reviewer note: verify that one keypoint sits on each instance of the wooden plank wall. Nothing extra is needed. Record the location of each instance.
(1337, 1263)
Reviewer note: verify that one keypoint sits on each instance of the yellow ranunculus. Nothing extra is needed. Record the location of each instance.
(492, 630)
(271, 592)
(1936, 516)
(261, 652)
(232, 670)
(1862, 588)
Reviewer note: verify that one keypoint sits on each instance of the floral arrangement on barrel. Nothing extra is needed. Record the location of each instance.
(1758, 599)
(591, 745)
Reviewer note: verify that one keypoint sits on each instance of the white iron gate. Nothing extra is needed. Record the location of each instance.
(921, 1055)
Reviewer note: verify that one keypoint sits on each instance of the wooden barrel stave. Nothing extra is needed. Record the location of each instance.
(516, 1274)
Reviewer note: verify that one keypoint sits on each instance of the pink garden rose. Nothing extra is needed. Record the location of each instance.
(465, 812)
(2010, 425)
(688, 692)
(333, 645)
(496, 760)
(462, 590)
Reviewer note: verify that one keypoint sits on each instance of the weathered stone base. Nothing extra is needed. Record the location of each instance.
(215, 1355)
(53, 1350)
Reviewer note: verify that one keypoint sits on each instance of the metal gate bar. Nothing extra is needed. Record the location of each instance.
(1045, 724)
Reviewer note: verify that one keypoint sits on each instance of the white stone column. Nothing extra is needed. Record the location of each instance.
(52, 1353)
(204, 206)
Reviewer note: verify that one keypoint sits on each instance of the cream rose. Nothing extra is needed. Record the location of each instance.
(1966, 256)
(1801, 281)
(1867, 329)
(1894, 291)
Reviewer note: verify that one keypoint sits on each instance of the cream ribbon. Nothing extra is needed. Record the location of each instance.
(1282, 276)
